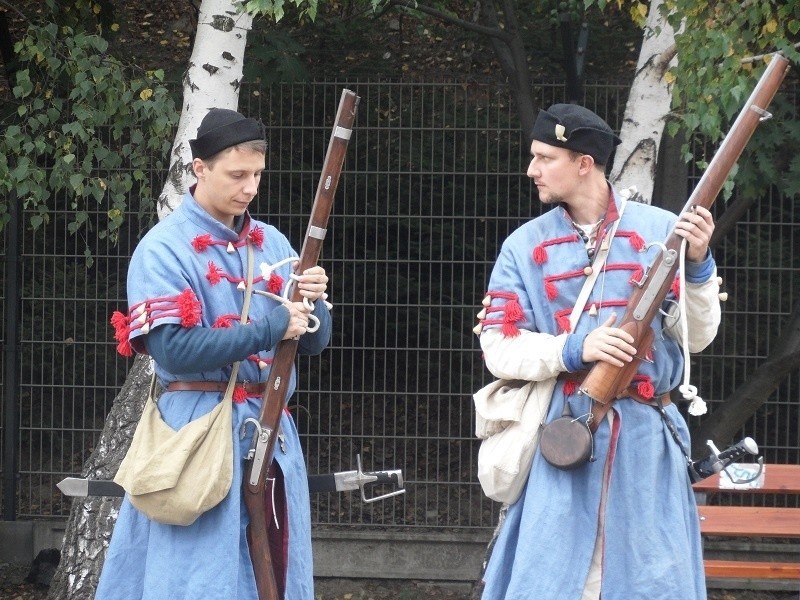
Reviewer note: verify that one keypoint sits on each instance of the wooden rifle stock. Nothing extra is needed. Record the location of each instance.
(604, 381)
(274, 400)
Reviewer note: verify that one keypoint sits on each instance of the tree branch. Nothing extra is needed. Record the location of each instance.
(447, 18)
(783, 360)
(730, 218)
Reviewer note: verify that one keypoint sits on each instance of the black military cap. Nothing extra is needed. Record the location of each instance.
(222, 128)
(575, 128)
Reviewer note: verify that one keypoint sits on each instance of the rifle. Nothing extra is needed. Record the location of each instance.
(605, 382)
(274, 399)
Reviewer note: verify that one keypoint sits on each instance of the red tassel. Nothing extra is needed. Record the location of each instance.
(119, 321)
(121, 324)
(645, 389)
(551, 290)
(637, 276)
(513, 311)
(201, 242)
(257, 236)
(124, 348)
(509, 329)
(570, 387)
(539, 255)
(225, 321)
(189, 308)
(275, 283)
(213, 274)
(675, 288)
(239, 394)
(563, 323)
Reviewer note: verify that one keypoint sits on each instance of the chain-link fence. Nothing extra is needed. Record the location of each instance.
(433, 183)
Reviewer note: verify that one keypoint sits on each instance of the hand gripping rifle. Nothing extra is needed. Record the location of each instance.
(605, 382)
(274, 400)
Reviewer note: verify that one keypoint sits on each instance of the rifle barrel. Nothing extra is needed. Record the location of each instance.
(605, 381)
(274, 400)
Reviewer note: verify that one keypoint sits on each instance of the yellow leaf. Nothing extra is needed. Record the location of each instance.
(146, 94)
(96, 9)
(115, 27)
(669, 77)
(642, 9)
(771, 26)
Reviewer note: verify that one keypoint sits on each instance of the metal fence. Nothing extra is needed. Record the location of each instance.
(433, 182)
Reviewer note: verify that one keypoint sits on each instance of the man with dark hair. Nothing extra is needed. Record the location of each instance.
(623, 525)
(186, 285)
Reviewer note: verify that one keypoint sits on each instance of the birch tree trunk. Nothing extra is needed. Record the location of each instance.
(213, 79)
(647, 108)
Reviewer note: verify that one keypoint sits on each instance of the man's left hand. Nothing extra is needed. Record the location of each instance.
(313, 283)
(696, 228)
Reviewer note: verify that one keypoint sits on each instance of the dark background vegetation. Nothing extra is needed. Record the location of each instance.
(343, 45)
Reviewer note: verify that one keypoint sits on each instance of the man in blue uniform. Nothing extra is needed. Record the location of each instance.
(185, 296)
(623, 526)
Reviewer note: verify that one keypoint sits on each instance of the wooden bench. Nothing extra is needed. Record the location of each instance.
(752, 522)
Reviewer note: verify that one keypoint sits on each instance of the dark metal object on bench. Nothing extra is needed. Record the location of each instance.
(718, 461)
(753, 522)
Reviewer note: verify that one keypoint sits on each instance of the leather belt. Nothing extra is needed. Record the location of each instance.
(215, 386)
(599, 410)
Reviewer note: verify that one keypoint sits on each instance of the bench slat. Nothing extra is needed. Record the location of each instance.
(749, 521)
(732, 569)
(777, 479)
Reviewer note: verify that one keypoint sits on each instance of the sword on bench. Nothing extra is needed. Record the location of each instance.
(342, 481)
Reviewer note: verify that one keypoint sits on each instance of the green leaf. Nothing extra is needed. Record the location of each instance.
(76, 182)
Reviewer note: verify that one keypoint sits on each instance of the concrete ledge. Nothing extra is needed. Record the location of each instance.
(426, 556)
(338, 553)
(21, 541)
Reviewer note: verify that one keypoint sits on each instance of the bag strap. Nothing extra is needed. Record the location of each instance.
(598, 410)
(597, 266)
(248, 294)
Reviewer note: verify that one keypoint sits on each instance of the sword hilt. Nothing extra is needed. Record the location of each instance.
(362, 480)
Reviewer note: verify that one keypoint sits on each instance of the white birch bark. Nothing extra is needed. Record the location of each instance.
(647, 108)
(212, 80)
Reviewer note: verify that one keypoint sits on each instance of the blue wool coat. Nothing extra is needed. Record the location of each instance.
(187, 270)
(652, 542)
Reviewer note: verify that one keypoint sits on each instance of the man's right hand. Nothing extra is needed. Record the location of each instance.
(609, 344)
(298, 320)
